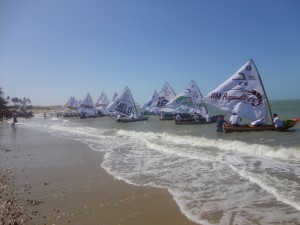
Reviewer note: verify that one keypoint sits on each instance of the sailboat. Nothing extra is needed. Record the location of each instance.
(114, 96)
(125, 107)
(190, 106)
(70, 108)
(244, 94)
(165, 95)
(146, 106)
(101, 104)
(86, 108)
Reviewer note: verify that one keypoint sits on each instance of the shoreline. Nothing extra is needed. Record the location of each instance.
(59, 181)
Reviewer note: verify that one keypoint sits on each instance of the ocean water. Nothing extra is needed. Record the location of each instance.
(215, 178)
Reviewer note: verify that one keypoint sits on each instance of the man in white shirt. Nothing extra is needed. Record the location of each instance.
(234, 119)
(277, 122)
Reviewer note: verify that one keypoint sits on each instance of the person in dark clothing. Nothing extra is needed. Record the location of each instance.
(15, 116)
(220, 122)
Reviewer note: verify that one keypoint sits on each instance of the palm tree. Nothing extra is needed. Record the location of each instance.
(14, 100)
(3, 102)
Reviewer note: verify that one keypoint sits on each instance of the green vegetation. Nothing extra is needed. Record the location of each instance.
(3, 101)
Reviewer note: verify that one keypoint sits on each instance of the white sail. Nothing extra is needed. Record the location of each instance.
(102, 102)
(87, 106)
(188, 101)
(71, 103)
(151, 100)
(114, 96)
(242, 93)
(165, 95)
(123, 104)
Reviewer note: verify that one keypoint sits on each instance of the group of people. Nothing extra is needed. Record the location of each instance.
(234, 121)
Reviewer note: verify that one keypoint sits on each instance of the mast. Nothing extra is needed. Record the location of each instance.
(268, 104)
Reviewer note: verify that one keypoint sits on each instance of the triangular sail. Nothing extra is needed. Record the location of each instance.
(87, 106)
(102, 102)
(242, 93)
(165, 95)
(188, 101)
(151, 100)
(114, 96)
(123, 104)
(71, 103)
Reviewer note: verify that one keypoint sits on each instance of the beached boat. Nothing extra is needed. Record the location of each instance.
(165, 95)
(125, 108)
(86, 108)
(190, 106)
(197, 121)
(244, 94)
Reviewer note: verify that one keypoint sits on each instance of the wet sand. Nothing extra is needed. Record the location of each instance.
(49, 180)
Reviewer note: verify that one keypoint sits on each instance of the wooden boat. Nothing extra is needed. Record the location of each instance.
(166, 116)
(127, 119)
(198, 121)
(244, 94)
(85, 116)
(245, 128)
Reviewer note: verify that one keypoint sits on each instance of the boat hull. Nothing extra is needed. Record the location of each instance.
(166, 118)
(287, 124)
(87, 116)
(194, 121)
(125, 120)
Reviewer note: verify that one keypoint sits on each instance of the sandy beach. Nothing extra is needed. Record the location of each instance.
(50, 180)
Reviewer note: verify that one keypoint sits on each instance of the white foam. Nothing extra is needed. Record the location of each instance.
(204, 175)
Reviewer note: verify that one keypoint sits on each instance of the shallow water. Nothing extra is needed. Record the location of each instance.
(215, 178)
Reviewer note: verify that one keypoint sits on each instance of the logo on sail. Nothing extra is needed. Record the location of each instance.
(252, 97)
(124, 107)
(162, 101)
(188, 102)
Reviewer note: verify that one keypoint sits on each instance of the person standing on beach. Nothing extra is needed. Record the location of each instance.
(15, 116)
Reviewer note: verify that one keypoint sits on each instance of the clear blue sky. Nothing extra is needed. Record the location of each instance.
(52, 49)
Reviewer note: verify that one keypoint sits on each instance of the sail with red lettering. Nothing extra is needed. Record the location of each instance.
(188, 101)
(123, 105)
(243, 93)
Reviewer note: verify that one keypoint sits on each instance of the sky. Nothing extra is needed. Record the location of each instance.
(53, 49)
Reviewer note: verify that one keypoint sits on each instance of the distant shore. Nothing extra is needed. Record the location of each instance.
(49, 180)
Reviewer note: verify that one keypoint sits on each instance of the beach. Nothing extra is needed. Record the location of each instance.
(52, 180)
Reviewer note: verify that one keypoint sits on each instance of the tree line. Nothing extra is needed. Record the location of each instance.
(4, 101)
